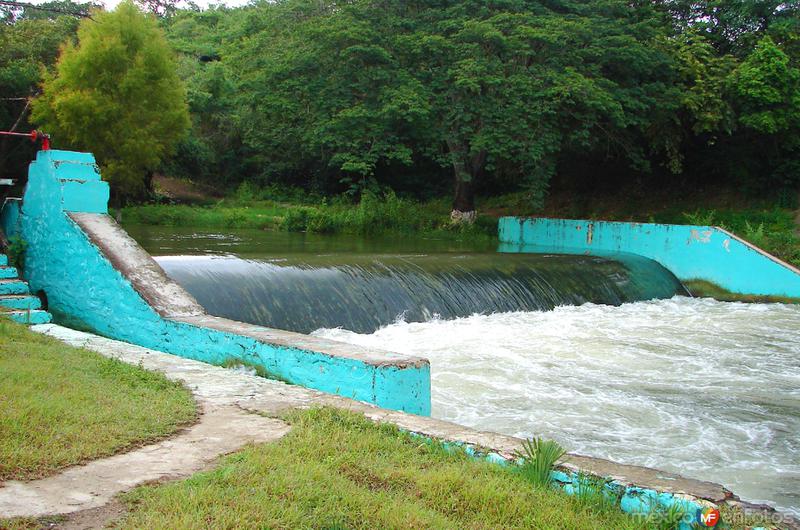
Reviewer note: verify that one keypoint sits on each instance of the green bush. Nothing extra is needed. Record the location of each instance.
(296, 220)
(17, 248)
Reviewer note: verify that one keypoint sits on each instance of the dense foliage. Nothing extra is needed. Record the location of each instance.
(115, 93)
(457, 97)
(29, 44)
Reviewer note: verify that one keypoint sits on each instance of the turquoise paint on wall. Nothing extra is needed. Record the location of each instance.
(9, 218)
(690, 252)
(86, 291)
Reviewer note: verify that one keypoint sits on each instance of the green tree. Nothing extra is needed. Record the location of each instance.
(29, 44)
(212, 151)
(733, 26)
(484, 89)
(766, 93)
(117, 95)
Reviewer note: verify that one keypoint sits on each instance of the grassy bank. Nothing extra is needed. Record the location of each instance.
(769, 224)
(61, 405)
(372, 215)
(337, 470)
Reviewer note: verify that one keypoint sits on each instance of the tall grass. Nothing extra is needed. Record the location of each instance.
(372, 215)
(538, 458)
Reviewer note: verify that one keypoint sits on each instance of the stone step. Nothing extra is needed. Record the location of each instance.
(20, 301)
(3, 260)
(36, 316)
(8, 272)
(13, 286)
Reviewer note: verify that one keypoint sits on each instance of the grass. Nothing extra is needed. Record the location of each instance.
(61, 405)
(338, 470)
(769, 224)
(373, 215)
(256, 368)
(706, 289)
(538, 458)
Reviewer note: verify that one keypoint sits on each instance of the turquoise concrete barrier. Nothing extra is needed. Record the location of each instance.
(97, 278)
(9, 219)
(692, 253)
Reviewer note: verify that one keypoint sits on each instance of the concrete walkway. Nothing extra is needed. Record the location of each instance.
(93, 485)
(238, 409)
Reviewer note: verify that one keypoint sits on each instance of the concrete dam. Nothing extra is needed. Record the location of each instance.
(583, 334)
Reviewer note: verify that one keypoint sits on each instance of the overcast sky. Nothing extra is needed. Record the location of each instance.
(110, 4)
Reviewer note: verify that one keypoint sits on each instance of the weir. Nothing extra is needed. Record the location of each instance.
(95, 277)
(364, 292)
(693, 253)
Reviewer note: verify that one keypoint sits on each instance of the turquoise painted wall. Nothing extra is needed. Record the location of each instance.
(690, 252)
(9, 217)
(84, 290)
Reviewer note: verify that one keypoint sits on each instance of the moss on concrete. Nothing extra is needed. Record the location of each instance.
(706, 289)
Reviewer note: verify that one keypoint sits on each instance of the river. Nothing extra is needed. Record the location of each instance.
(604, 355)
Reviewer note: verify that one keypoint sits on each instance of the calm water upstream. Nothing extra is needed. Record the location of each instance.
(707, 389)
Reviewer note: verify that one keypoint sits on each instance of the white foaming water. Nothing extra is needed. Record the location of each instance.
(706, 389)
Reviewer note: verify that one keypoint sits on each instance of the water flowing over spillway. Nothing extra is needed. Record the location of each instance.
(363, 292)
(595, 352)
(703, 388)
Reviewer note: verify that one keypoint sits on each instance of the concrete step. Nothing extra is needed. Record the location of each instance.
(3, 260)
(83, 171)
(20, 301)
(13, 286)
(36, 316)
(8, 272)
(89, 196)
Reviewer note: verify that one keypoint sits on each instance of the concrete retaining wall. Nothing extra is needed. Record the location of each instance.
(98, 278)
(704, 253)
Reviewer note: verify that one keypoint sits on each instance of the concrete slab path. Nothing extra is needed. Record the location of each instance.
(92, 485)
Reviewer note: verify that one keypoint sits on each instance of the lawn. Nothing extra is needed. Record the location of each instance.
(338, 470)
(61, 405)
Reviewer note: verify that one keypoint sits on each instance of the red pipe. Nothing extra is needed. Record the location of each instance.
(33, 135)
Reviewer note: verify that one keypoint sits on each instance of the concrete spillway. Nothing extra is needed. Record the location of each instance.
(364, 292)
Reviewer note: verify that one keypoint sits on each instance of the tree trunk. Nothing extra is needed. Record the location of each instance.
(464, 198)
(149, 190)
(466, 170)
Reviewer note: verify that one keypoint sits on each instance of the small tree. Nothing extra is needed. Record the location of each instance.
(117, 95)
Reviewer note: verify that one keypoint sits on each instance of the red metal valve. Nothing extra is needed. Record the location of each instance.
(33, 135)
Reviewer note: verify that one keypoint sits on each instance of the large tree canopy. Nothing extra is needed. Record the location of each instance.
(429, 98)
(29, 44)
(507, 91)
(472, 86)
(116, 94)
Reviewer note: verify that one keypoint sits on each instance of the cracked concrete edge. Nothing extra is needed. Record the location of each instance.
(219, 386)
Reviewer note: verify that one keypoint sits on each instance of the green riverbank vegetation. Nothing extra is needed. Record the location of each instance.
(371, 215)
(61, 406)
(763, 222)
(336, 469)
(449, 101)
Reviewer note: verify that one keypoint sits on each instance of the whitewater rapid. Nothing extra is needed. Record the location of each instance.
(703, 388)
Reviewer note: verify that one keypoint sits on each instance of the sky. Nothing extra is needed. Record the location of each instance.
(111, 4)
